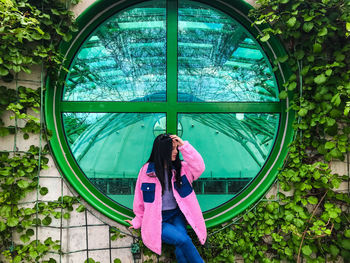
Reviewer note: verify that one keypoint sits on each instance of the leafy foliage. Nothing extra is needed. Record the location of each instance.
(29, 34)
(311, 221)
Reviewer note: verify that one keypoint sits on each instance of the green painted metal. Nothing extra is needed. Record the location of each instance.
(170, 107)
(89, 20)
(171, 66)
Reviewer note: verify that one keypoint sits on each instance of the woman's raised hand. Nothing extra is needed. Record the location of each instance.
(129, 222)
(177, 140)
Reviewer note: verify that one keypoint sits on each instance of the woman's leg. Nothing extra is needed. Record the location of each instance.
(174, 233)
(172, 236)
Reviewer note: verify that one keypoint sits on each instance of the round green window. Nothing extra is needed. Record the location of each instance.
(138, 69)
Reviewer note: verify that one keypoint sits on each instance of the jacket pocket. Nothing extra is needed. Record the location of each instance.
(185, 188)
(148, 190)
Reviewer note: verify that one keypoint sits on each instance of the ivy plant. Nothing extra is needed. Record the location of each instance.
(311, 222)
(30, 32)
(307, 221)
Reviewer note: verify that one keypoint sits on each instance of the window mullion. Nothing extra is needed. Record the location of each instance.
(113, 106)
(171, 65)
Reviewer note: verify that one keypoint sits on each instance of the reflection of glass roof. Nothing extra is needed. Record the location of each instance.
(253, 134)
(125, 58)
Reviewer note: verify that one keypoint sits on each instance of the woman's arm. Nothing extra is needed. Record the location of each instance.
(192, 159)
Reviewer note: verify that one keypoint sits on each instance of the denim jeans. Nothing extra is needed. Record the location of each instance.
(174, 233)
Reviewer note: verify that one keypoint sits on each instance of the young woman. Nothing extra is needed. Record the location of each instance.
(164, 200)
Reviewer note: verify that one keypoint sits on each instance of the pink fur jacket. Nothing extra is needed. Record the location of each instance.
(148, 199)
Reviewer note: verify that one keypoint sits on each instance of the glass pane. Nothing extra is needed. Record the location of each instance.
(234, 150)
(124, 59)
(218, 59)
(110, 148)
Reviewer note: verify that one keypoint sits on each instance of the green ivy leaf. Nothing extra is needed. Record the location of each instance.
(347, 233)
(317, 48)
(305, 70)
(67, 37)
(2, 226)
(334, 250)
(12, 221)
(308, 26)
(43, 190)
(323, 32)
(288, 251)
(302, 112)
(329, 72)
(66, 215)
(283, 95)
(23, 184)
(292, 85)
(24, 238)
(3, 71)
(282, 59)
(291, 21)
(17, 259)
(298, 222)
(30, 232)
(336, 99)
(320, 79)
(47, 221)
(33, 254)
(335, 183)
(265, 38)
(55, 12)
(80, 208)
(348, 26)
(312, 200)
(306, 250)
(345, 243)
(329, 145)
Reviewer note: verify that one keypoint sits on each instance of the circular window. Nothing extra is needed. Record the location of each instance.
(183, 67)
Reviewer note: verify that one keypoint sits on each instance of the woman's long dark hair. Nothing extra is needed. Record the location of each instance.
(160, 155)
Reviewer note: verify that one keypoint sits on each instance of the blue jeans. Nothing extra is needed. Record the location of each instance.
(174, 233)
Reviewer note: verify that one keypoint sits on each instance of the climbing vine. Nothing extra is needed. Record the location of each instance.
(308, 220)
(29, 35)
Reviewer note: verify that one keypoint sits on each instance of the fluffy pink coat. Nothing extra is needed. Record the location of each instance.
(148, 215)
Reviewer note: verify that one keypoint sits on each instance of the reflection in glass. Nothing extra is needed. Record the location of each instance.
(234, 150)
(110, 148)
(218, 59)
(124, 59)
(160, 127)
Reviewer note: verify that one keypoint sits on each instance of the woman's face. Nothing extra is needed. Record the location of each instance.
(174, 152)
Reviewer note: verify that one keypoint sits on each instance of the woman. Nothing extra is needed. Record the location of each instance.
(164, 200)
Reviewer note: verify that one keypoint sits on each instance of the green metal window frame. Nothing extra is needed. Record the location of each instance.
(92, 17)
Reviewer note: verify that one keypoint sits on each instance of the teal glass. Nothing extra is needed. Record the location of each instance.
(124, 59)
(234, 147)
(219, 60)
(110, 148)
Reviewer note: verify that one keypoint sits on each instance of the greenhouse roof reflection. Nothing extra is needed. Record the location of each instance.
(125, 58)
